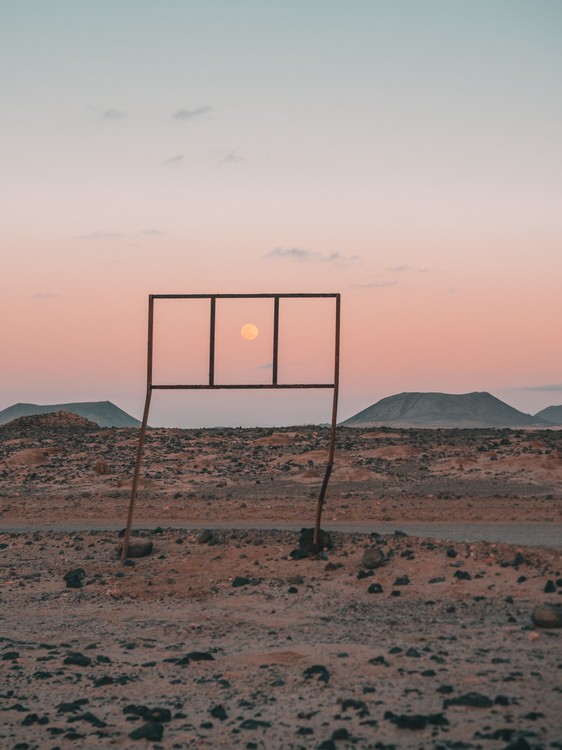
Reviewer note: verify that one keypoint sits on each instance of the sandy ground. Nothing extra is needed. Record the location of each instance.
(231, 639)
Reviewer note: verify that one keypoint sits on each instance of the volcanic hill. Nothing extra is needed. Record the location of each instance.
(467, 410)
(552, 414)
(103, 413)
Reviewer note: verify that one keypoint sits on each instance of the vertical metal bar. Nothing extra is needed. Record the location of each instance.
(275, 340)
(332, 428)
(212, 342)
(143, 427)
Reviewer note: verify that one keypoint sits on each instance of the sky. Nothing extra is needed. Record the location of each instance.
(406, 154)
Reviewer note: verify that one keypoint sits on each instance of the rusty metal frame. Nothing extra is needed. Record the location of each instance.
(212, 385)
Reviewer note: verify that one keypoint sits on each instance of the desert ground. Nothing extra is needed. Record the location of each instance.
(238, 637)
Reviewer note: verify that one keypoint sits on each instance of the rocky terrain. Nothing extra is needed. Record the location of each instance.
(240, 638)
(50, 471)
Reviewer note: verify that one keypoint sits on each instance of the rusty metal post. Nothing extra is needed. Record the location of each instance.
(144, 425)
(275, 363)
(212, 328)
(324, 487)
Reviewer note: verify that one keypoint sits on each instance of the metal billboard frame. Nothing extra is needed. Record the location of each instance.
(212, 385)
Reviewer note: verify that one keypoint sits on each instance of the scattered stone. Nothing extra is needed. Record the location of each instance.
(298, 580)
(401, 581)
(150, 715)
(74, 578)
(462, 575)
(547, 616)
(78, 659)
(416, 721)
(72, 706)
(218, 712)
(373, 558)
(549, 587)
(136, 548)
(151, 731)
(34, 719)
(317, 669)
(519, 744)
(205, 537)
(254, 724)
(365, 574)
(452, 552)
(89, 717)
(518, 560)
(306, 541)
(375, 588)
(200, 656)
(474, 700)
(241, 581)
(356, 705)
(341, 734)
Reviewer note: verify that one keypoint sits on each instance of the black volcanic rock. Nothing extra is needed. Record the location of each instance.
(479, 409)
(102, 413)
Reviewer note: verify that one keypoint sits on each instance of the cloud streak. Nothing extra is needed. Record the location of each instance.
(300, 254)
(175, 160)
(192, 114)
(405, 269)
(113, 114)
(375, 285)
(547, 388)
(228, 156)
(103, 236)
(46, 295)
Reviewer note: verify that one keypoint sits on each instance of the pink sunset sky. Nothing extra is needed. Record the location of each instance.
(406, 155)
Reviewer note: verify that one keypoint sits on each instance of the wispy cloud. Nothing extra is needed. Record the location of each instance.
(339, 258)
(300, 254)
(46, 295)
(296, 253)
(405, 269)
(191, 114)
(228, 156)
(265, 366)
(103, 236)
(150, 233)
(113, 114)
(375, 285)
(175, 160)
(553, 387)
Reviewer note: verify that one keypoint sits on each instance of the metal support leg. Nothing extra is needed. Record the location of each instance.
(320, 505)
(136, 474)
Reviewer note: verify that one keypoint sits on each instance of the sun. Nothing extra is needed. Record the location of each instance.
(249, 331)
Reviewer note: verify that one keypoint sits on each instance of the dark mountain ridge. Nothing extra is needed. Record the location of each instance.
(552, 414)
(478, 409)
(103, 413)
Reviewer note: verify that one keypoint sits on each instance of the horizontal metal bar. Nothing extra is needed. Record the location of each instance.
(237, 386)
(240, 296)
